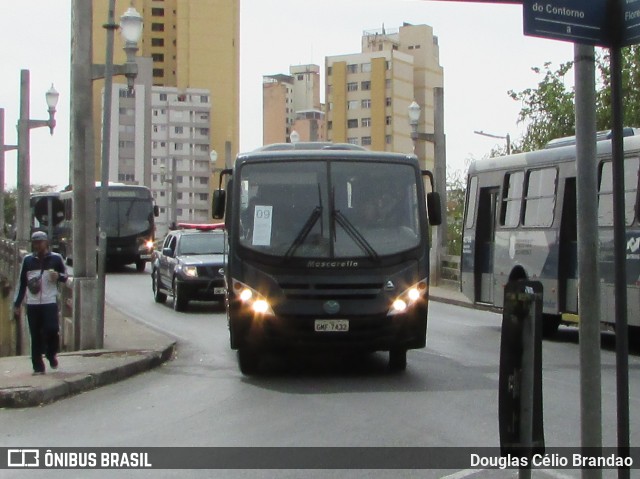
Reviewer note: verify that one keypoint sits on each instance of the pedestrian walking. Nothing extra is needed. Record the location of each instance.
(41, 271)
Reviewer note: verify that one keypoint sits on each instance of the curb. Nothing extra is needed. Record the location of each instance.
(465, 304)
(23, 397)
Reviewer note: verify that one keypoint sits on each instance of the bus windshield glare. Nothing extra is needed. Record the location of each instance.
(128, 216)
(328, 209)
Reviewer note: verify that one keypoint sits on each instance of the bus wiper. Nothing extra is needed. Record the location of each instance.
(354, 234)
(307, 227)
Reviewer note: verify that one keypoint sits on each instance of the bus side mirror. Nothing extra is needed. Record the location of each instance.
(218, 204)
(434, 208)
(156, 211)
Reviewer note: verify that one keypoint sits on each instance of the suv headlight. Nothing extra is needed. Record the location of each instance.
(408, 298)
(250, 298)
(190, 271)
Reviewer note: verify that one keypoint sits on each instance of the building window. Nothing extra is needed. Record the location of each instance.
(388, 101)
(329, 125)
(157, 57)
(203, 196)
(180, 179)
(204, 131)
(388, 120)
(365, 68)
(178, 146)
(204, 180)
(178, 130)
(157, 27)
(329, 71)
(163, 97)
(366, 140)
(388, 139)
(157, 42)
(155, 178)
(157, 12)
(179, 196)
(352, 123)
(365, 122)
(352, 68)
(365, 85)
(353, 140)
(162, 194)
(204, 99)
(352, 105)
(300, 77)
(158, 72)
(125, 93)
(366, 103)
(352, 86)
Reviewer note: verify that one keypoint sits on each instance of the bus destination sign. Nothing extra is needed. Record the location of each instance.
(576, 21)
(631, 22)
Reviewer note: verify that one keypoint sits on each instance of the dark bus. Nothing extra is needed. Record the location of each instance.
(520, 222)
(328, 249)
(131, 225)
(47, 214)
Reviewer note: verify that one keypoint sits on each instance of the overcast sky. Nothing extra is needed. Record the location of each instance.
(482, 49)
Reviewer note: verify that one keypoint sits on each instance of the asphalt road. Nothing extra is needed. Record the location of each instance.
(446, 397)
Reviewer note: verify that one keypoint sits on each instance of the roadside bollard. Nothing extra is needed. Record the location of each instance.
(520, 385)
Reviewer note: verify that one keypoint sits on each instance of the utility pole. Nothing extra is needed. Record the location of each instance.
(588, 257)
(3, 149)
(83, 178)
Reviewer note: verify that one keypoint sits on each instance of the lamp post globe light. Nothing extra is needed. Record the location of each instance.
(294, 136)
(414, 115)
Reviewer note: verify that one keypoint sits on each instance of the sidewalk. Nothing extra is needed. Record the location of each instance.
(129, 348)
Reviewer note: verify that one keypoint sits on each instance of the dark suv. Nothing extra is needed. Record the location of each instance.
(190, 266)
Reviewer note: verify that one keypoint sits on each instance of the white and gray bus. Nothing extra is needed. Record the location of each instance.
(520, 222)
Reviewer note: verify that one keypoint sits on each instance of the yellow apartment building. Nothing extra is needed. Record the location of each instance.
(368, 93)
(192, 44)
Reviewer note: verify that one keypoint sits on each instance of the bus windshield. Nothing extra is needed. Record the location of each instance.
(129, 216)
(329, 209)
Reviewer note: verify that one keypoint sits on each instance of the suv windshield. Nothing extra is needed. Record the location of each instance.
(329, 209)
(201, 243)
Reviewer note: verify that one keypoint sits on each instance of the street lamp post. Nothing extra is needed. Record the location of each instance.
(171, 180)
(438, 139)
(131, 31)
(3, 148)
(507, 137)
(25, 125)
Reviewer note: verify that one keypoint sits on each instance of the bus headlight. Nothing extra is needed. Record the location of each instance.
(149, 244)
(191, 271)
(252, 299)
(408, 298)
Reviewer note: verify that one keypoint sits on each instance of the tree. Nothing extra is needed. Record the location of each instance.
(456, 189)
(548, 110)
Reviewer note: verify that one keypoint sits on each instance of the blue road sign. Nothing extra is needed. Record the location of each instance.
(631, 22)
(579, 21)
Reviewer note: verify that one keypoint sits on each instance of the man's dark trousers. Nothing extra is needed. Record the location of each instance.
(45, 333)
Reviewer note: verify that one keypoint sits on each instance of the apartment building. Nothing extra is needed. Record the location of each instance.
(368, 93)
(192, 45)
(292, 103)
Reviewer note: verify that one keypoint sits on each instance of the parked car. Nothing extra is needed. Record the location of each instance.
(190, 266)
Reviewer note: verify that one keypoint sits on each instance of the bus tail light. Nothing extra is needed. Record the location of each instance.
(251, 299)
(408, 298)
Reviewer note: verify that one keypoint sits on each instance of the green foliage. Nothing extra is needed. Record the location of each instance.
(456, 187)
(548, 110)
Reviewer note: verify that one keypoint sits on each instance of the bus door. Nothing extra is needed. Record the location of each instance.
(485, 244)
(568, 249)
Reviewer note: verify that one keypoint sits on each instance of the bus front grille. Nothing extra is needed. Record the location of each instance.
(331, 290)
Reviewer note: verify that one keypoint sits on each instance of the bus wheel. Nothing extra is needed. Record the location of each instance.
(550, 324)
(248, 360)
(158, 296)
(398, 359)
(179, 301)
(141, 265)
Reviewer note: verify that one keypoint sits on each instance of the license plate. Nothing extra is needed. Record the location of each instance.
(145, 256)
(331, 325)
(219, 291)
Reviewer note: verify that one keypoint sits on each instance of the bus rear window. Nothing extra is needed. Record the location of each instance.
(512, 199)
(541, 197)
(605, 194)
